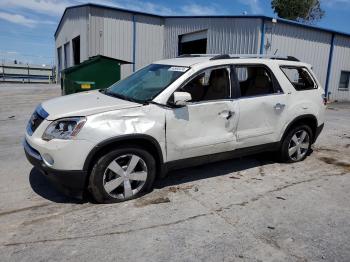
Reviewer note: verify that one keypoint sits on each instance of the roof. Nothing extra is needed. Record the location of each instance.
(183, 61)
(194, 60)
(94, 59)
(263, 17)
(26, 66)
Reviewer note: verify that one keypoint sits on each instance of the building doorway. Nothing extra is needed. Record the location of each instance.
(76, 50)
(193, 43)
(66, 50)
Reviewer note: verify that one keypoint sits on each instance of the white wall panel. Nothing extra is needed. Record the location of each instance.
(225, 35)
(74, 23)
(149, 40)
(308, 45)
(341, 62)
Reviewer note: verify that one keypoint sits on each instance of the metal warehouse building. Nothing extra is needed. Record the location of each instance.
(88, 30)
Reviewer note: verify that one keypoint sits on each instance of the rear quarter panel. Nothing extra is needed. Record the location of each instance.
(306, 102)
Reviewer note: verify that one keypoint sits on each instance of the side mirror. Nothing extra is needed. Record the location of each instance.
(181, 98)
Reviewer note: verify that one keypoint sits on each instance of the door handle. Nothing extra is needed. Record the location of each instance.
(279, 106)
(227, 114)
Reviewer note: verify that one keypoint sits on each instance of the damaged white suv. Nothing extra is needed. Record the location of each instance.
(174, 113)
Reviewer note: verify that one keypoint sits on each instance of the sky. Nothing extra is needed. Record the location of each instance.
(27, 26)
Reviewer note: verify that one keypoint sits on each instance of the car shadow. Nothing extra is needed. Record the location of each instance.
(182, 176)
(44, 188)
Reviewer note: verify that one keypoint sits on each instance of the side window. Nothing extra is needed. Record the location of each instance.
(254, 81)
(212, 84)
(344, 81)
(299, 77)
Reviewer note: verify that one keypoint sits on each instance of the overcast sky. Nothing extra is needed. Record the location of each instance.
(27, 26)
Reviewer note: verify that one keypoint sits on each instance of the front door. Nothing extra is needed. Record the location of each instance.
(208, 123)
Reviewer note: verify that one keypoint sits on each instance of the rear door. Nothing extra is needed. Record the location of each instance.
(208, 123)
(262, 104)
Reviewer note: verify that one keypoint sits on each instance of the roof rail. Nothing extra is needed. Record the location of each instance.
(217, 57)
(289, 58)
(236, 56)
(233, 56)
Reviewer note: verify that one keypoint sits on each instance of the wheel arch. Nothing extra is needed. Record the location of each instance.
(145, 141)
(307, 119)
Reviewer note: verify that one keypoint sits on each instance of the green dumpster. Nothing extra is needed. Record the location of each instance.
(98, 72)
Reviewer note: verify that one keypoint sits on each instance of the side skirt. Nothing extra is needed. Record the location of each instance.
(200, 160)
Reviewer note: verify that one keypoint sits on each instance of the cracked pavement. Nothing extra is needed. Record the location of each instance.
(247, 209)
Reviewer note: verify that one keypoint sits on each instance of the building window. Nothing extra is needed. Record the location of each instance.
(344, 81)
(76, 50)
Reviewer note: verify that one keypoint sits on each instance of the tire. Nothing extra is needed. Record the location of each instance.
(131, 170)
(292, 141)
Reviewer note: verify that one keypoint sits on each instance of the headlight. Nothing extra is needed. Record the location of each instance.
(65, 128)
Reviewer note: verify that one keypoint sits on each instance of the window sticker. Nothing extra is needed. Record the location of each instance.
(178, 68)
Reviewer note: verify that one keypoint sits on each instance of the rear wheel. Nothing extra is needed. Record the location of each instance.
(122, 174)
(296, 144)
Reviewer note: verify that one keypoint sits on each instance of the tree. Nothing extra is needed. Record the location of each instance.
(306, 11)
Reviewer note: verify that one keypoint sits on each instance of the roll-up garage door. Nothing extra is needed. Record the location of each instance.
(193, 43)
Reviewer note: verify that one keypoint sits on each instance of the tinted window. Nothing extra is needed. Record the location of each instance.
(210, 85)
(344, 80)
(254, 80)
(299, 77)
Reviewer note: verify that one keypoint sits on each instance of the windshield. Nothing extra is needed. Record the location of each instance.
(146, 83)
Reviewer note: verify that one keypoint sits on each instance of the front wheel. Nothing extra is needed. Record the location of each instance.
(122, 174)
(296, 144)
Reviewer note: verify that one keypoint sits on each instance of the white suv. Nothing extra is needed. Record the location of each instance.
(174, 113)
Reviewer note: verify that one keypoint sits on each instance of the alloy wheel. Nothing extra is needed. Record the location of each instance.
(125, 176)
(299, 145)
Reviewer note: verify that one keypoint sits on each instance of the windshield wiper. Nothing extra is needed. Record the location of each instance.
(121, 96)
(147, 102)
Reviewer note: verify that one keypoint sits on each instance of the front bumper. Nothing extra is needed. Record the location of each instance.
(72, 183)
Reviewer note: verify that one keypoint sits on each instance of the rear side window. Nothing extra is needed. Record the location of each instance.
(255, 80)
(299, 77)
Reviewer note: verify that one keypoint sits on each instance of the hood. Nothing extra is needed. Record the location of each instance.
(84, 104)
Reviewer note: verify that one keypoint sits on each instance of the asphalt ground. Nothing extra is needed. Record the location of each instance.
(247, 209)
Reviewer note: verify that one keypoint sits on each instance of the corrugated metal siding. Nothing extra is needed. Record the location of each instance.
(96, 31)
(149, 40)
(341, 62)
(112, 33)
(308, 45)
(74, 24)
(118, 35)
(225, 35)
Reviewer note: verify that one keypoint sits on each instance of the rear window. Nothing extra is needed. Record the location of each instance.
(299, 77)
